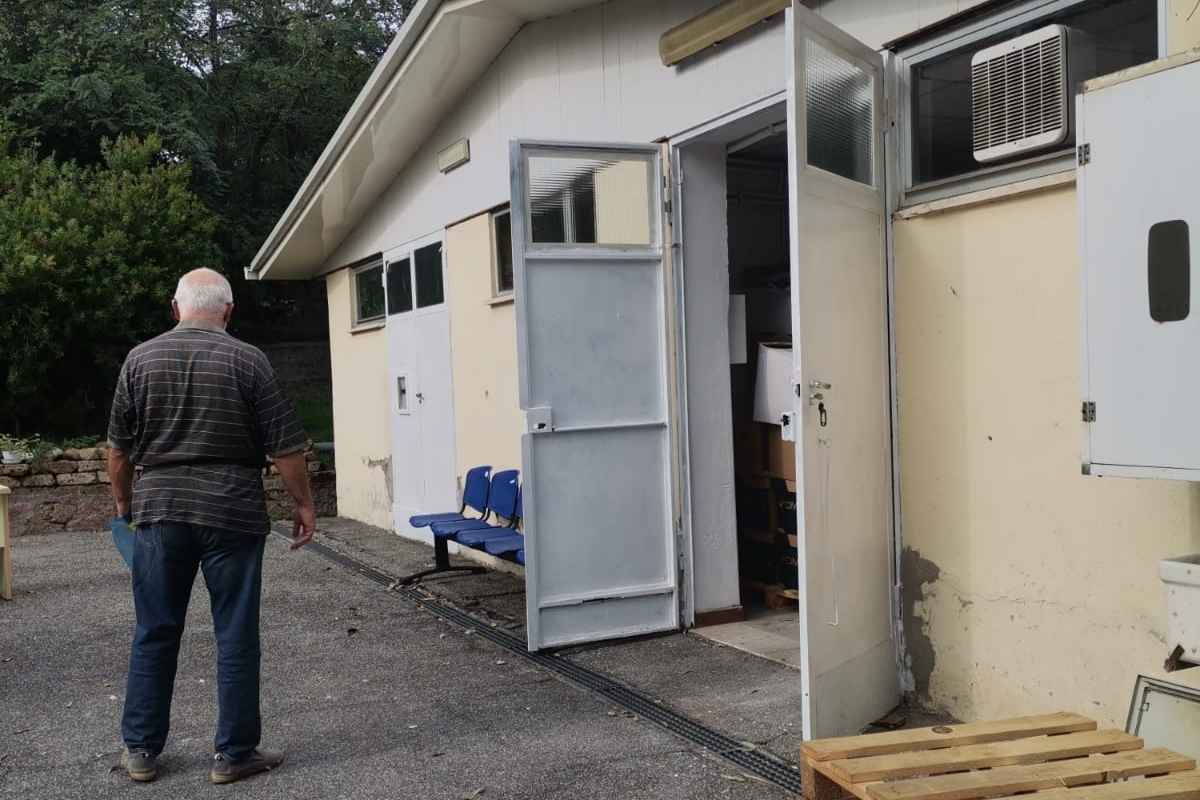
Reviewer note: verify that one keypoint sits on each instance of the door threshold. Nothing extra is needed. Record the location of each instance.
(773, 635)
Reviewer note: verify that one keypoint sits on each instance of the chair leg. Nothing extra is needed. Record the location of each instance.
(441, 564)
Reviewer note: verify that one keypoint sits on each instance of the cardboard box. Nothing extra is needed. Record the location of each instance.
(781, 455)
(773, 386)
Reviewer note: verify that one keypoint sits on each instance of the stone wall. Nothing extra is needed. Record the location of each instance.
(68, 491)
(300, 363)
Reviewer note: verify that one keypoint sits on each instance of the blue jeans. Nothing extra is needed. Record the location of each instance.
(165, 559)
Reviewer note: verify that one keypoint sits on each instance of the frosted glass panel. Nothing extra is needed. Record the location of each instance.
(580, 199)
(840, 111)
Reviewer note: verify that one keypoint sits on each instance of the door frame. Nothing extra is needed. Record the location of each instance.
(888, 175)
(775, 106)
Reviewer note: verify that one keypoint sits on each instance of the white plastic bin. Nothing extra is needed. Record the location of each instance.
(1181, 576)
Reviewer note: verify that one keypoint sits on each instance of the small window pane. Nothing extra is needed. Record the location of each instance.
(429, 275)
(592, 198)
(503, 245)
(1169, 271)
(399, 287)
(368, 290)
(583, 214)
(840, 106)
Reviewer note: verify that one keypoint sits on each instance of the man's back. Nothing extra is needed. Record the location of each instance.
(198, 410)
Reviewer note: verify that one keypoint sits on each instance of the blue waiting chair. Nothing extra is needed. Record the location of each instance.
(480, 537)
(505, 545)
(475, 495)
(503, 501)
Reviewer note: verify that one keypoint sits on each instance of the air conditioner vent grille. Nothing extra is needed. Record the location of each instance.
(1018, 94)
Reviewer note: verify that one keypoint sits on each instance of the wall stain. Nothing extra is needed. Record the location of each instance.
(916, 573)
(384, 465)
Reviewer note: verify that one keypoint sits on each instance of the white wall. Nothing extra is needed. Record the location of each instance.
(591, 75)
(595, 75)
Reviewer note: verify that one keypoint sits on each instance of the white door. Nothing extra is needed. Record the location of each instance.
(600, 552)
(419, 370)
(1139, 217)
(839, 305)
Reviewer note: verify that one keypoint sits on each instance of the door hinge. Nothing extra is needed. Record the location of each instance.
(1084, 153)
(666, 195)
(1089, 411)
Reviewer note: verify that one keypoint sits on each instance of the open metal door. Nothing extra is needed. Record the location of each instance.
(841, 376)
(600, 549)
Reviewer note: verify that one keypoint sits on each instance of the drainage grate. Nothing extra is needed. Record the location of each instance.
(754, 761)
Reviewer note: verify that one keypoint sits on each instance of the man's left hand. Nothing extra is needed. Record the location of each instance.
(304, 525)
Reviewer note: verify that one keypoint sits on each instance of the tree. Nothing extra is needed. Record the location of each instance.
(89, 258)
(246, 91)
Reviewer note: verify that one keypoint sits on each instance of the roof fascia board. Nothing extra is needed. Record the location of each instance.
(410, 35)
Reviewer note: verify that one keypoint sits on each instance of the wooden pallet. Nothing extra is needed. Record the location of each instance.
(1058, 756)
(775, 595)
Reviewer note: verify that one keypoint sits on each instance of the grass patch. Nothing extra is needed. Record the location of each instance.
(314, 406)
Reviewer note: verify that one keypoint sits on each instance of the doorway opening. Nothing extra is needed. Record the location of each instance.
(760, 325)
(737, 277)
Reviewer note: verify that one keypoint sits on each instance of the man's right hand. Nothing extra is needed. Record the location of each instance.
(304, 525)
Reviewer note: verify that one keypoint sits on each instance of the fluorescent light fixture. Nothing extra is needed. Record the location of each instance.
(714, 26)
(454, 156)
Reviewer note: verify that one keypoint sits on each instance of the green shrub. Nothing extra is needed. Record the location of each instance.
(89, 257)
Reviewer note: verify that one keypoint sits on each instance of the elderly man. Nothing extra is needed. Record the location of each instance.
(199, 410)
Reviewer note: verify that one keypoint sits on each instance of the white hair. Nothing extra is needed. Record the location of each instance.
(203, 292)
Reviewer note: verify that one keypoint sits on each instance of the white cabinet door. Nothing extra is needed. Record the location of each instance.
(1139, 213)
(849, 671)
(591, 335)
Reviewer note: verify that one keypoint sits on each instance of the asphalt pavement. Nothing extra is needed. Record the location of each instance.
(370, 695)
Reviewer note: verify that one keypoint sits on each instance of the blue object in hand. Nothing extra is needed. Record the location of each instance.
(122, 533)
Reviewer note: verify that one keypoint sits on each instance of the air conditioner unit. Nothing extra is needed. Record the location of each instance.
(1022, 91)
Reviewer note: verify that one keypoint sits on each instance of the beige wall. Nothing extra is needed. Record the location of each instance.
(623, 203)
(1027, 585)
(1183, 25)
(360, 411)
(483, 342)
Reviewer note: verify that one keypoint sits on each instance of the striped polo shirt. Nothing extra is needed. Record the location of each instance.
(199, 410)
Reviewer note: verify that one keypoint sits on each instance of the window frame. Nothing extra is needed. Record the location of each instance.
(497, 292)
(409, 252)
(986, 26)
(361, 323)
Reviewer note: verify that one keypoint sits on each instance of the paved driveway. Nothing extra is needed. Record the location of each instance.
(371, 696)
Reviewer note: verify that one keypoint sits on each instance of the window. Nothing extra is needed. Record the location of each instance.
(428, 261)
(414, 279)
(840, 109)
(368, 293)
(1120, 33)
(399, 286)
(502, 263)
(591, 199)
(1169, 271)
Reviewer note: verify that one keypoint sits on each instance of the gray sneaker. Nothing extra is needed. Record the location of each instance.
(141, 765)
(226, 771)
